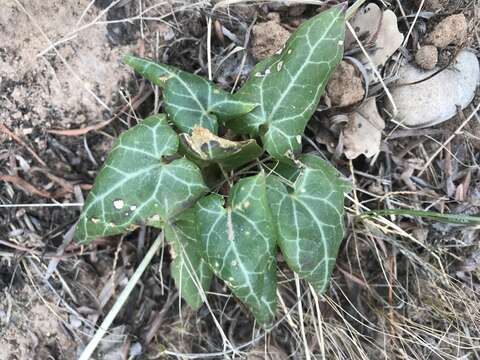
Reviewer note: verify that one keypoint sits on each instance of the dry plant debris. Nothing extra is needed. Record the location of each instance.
(431, 5)
(403, 287)
(363, 131)
(379, 31)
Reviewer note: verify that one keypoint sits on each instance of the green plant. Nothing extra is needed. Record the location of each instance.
(156, 177)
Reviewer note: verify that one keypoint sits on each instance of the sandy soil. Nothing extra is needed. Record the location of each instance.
(40, 87)
(391, 297)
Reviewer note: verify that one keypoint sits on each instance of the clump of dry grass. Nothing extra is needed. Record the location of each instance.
(404, 288)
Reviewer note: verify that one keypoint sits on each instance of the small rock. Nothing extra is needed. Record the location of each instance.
(17, 115)
(268, 38)
(363, 132)
(432, 5)
(427, 57)
(345, 86)
(434, 100)
(451, 30)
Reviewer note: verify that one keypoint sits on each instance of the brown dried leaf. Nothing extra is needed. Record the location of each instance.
(363, 132)
(25, 186)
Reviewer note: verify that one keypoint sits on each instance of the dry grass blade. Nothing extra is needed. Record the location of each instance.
(122, 298)
(450, 138)
(407, 281)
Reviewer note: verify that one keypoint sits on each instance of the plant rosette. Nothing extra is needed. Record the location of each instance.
(168, 172)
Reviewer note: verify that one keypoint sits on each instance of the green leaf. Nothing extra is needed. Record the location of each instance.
(190, 100)
(190, 272)
(239, 244)
(204, 147)
(285, 170)
(288, 85)
(309, 218)
(137, 185)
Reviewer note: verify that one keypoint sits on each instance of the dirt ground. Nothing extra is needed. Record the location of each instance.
(403, 287)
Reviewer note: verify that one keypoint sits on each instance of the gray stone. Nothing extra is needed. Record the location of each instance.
(435, 100)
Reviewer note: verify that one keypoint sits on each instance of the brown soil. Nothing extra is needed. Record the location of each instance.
(345, 87)
(72, 87)
(31, 327)
(403, 287)
(268, 37)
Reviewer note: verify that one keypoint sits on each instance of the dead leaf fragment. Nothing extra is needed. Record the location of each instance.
(363, 132)
(205, 146)
(389, 39)
(378, 32)
(25, 186)
(366, 24)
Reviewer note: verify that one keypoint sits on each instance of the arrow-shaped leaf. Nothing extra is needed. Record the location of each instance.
(190, 272)
(288, 85)
(205, 148)
(239, 244)
(309, 218)
(137, 186)
(190, 100)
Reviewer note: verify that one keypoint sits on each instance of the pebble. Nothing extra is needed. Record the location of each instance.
(427, 57)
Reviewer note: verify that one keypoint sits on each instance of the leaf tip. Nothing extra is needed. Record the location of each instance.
(128, 59)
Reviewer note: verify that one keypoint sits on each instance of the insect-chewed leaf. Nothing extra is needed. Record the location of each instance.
(190, 272)
(135, 186)
(288, 85)
(207, 148)
(190, 100)
(239, 244)
(309, 219)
